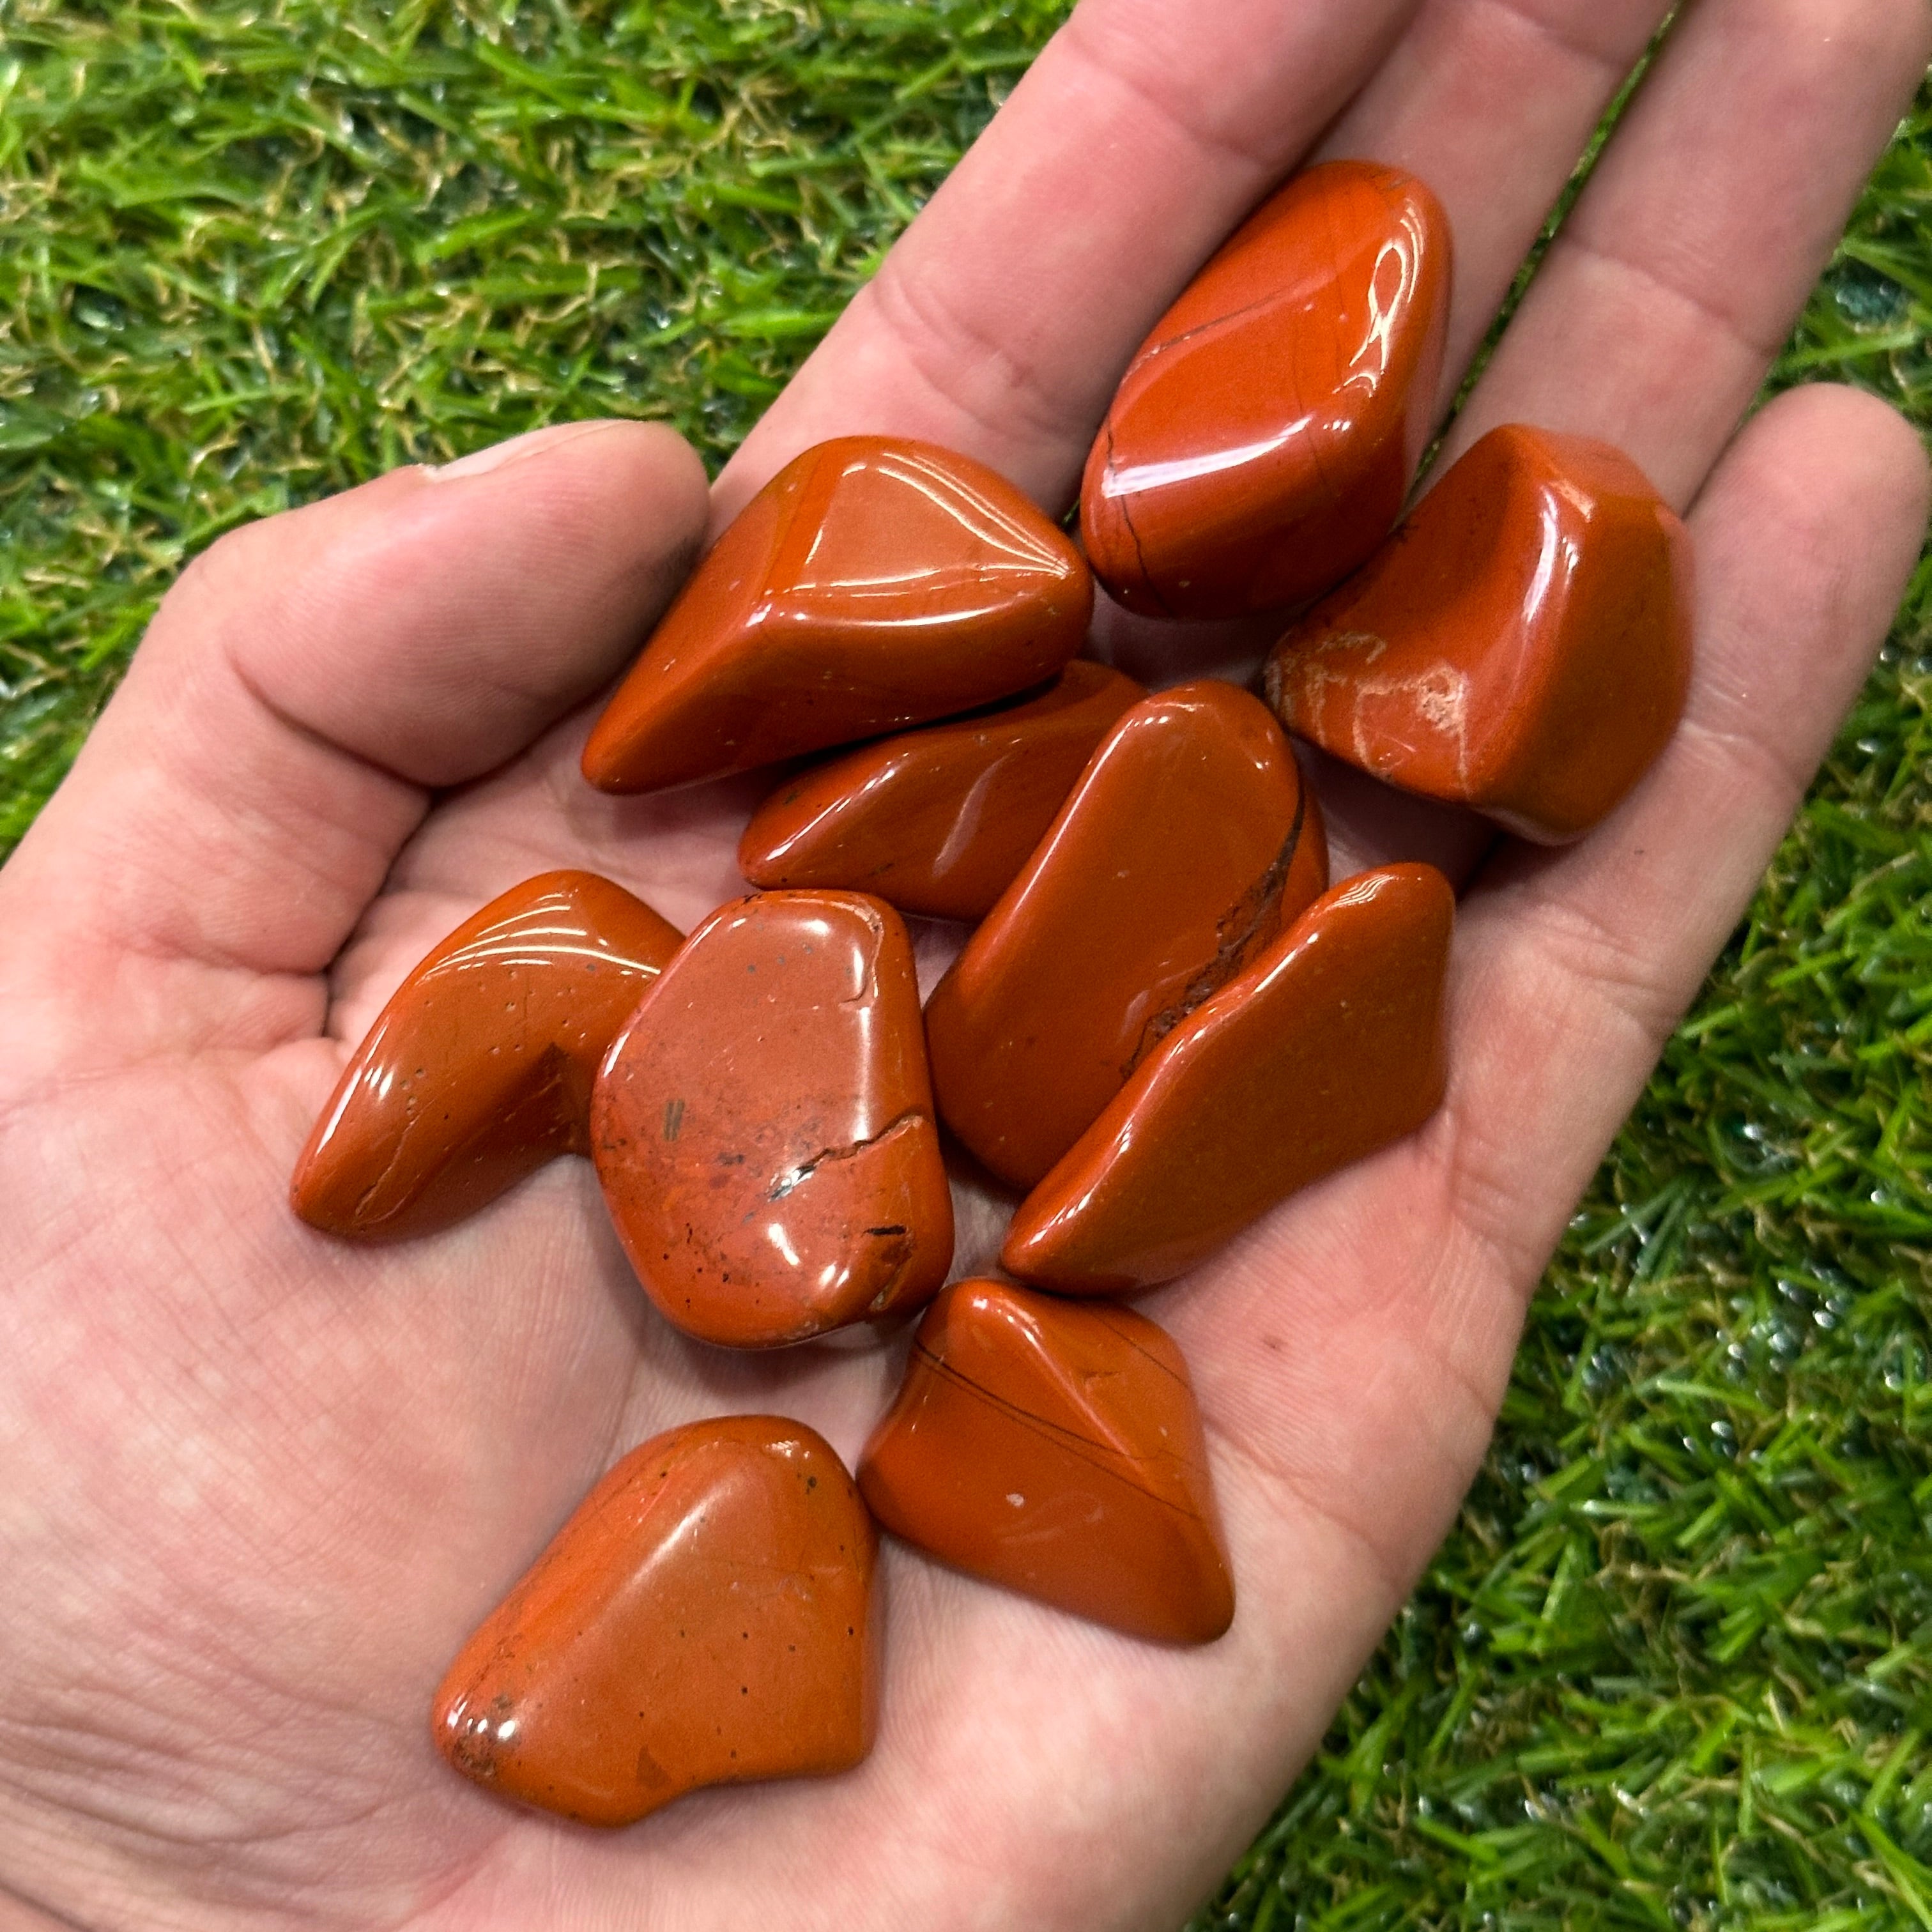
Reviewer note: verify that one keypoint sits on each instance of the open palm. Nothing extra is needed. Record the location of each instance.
(259, 1484)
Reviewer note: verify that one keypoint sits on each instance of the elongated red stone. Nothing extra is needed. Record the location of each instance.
(763, 1127)
(1054, 1448)
(937, 821)
(1263, 438)
(702, 1618)
(1523, 645)
(479, 1069)
(875, 583)
(1328, 1048)
(1188, 839)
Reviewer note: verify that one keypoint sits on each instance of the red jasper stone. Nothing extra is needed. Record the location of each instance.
(764, 1128)
(702, 1618)
(938, 821)
(1523, 645)
(875, 583)
(1188, 839)
(1055, 1449)
(479, 1069)
(1263, 438)
(1329, 1047)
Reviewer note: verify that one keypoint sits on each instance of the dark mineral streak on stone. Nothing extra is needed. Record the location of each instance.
(749, 1228)
(1117, 919)
(1328, 1048)
(1244, 928)
(1055, 1449)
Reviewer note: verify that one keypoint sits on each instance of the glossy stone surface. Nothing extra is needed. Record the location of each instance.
(479, 1069)
(1330, 1047)
(875, 583)
(937, 821)
(763, 1126)
(1188, 839)
(1263, 438)
(1054, 1448)
(702, 1618)
(1523, 645)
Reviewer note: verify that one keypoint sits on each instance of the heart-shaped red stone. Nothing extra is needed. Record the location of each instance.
(1188, 839)
(763, 1126)
(702, 1618)
(1328, 1048)
(937, 821)
(1055, 1448)
(479, 1069)
(874, 583)
(1263, 437)
(1522, 645)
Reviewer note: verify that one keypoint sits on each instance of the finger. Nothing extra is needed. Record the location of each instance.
(1491, 102)
(1001, 321)
(1773, 180)
(1806, 534)
(1351, 1351)
(304, 686)
(1689, 255)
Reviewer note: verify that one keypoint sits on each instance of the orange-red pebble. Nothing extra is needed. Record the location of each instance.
(764, 1128)
(1054, 1447)
(702, 1618)
(1263, 436)
(937, 821)
(1330, 1047)
(1188, 839)
(1522, 645)
(479, 1069)
(875, 583)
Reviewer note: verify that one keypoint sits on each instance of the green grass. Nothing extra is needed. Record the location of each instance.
(252, 253)
(1673, 1668)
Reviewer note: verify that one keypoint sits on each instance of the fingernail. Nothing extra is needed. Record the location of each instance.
(532, 442)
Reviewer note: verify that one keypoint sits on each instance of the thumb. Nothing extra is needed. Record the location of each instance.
(303, 688)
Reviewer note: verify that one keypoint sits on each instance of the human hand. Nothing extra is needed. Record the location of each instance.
(261, 1484)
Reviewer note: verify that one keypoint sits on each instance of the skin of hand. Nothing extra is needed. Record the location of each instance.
(260, 1484)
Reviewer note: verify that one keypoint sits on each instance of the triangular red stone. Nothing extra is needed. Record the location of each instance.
(702, 1618)
(874, 583)
(1054, 1448)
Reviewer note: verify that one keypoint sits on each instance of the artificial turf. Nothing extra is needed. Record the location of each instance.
(1673, 1667)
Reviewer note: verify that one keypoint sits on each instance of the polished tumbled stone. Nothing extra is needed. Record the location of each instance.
(1523, 645)
(937, 821)
(702, 1618)
(1188, 839)
(874, 583)
(1329, 1047)
(479, 1069)
(1263, 438)
(1054, 1447)
(763, 1126)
